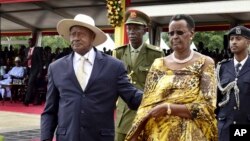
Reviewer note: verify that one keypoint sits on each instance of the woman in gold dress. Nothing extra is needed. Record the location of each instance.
(180, 93)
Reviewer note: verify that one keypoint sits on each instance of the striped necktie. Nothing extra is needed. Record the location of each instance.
(237, 68)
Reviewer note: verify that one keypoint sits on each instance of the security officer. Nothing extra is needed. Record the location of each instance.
(233, 77)
(137, 57)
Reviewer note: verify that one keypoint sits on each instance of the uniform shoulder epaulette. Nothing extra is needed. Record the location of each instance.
(121, 47)
(224, 61)
(155, 48)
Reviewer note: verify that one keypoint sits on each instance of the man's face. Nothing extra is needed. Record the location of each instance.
(135, 33)
(238, 44)
(81, 39)
(17, 63)
(31, 42)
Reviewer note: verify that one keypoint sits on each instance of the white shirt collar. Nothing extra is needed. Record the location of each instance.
(241, 62)
(89, 56)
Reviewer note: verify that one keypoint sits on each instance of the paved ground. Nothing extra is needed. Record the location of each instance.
(19, 126)
(26, 135)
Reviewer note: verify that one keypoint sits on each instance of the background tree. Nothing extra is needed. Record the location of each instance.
(54, 42)
(212, 40)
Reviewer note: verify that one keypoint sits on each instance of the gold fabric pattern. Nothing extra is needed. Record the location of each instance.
(193, 86)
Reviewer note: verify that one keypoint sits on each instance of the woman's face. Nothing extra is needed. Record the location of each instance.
(180, 36)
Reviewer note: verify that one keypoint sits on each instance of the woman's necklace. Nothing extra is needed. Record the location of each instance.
(183, 60)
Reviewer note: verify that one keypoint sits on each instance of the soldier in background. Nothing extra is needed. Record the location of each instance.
(137, 57)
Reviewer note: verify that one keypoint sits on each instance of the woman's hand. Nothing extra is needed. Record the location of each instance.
(158, 111)
(133, 139)
(176, 110)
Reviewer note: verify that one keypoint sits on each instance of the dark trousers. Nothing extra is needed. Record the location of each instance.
(32, 86)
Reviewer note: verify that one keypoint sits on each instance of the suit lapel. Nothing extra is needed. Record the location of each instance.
(69, 61)
(98, 65)
(230, 68)
(245, 67)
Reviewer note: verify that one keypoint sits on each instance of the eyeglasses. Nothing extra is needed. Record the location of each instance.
(178, 32)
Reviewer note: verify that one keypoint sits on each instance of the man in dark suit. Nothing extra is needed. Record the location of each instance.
(83, 109)
(34, 64)
(234, 84)
(138, 58)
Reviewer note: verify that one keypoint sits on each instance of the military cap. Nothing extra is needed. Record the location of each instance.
(136, 17)
(240, 31)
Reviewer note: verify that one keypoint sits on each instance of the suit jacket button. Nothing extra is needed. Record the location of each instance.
(234, 122)
(235, 108)
(82, 112)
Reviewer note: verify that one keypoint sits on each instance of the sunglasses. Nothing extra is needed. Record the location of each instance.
(178, 32)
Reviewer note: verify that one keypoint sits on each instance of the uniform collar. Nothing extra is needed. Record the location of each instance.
(132, 49)
(241, 62)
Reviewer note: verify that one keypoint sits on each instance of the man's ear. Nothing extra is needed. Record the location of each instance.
(145, 29)
(248, 42)
(192, 34)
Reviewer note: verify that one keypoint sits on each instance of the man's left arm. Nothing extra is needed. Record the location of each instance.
(49, 117)
(126, 90)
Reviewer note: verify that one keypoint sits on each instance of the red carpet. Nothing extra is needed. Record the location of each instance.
(19, 107)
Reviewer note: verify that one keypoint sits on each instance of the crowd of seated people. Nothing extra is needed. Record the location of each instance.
(16, 72)
(13, 58)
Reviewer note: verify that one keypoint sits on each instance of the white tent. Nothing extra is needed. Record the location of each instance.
(163, 45)
(108, 44)
(193, 46)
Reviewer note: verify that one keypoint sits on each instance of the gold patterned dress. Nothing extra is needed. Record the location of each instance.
(191, 86)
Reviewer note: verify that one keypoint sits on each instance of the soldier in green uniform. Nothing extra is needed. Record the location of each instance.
(137, 57)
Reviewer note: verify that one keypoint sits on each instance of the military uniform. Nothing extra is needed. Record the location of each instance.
(137, 64)
(137, 74)
(234, 87)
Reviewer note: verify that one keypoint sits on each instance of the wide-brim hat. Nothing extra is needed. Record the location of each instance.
(63, 28)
